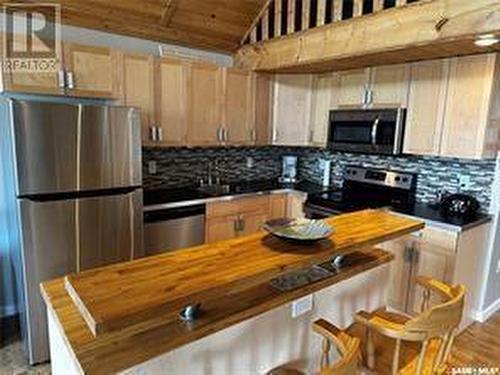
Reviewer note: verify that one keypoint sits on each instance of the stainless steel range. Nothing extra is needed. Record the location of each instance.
(365, 188)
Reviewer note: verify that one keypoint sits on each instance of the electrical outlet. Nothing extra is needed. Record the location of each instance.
(464, 182)
(301, 306)
(152, 167)
(250, 162)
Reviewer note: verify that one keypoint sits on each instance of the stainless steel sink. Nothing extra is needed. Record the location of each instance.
(216, 189)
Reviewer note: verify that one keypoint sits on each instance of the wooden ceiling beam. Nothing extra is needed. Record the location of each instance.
(415, 32)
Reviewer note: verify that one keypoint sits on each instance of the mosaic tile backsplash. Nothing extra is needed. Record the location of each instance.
(179, 167)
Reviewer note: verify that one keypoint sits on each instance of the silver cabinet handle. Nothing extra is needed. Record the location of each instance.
(375, 130)
(70, 80)
(370, 97)
(219, 138)
(152, 133)
(160, 134)
(61, 79)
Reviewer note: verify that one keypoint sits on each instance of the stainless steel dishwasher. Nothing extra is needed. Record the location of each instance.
(173, 228)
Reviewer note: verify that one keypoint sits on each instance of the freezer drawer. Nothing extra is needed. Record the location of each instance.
(66, 236)
(70, 148)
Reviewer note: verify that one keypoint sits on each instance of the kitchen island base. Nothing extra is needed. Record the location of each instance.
(252, 346)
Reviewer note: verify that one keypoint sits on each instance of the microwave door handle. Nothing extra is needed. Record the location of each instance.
(375, 131)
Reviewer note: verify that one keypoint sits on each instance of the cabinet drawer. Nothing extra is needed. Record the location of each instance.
(238, 206)
(438, 238)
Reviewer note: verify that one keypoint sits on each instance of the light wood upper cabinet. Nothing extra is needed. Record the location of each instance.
(32, 82)
(426, 104)
(138, 91)
(204, 103)
(389, 86)
(324, 87)
(263, 109)
(353, 85)
(172, 99)
(92, 71)
(292, 106)
(238, 107)
(468, 129)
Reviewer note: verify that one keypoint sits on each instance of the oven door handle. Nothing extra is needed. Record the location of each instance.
(375, 131)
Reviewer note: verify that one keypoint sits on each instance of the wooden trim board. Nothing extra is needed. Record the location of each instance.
(418, 31)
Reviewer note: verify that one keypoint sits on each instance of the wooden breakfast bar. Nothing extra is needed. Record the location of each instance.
(125, 317)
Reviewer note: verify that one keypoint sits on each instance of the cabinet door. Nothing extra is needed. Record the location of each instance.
(95, 71)
(204, 104)
(221, 228)
(278, 206)
(292, 105)
(389, 86)
(295, 206)
(323, 87)
(432, 261)
(32, 82)
(352, 88)
(252, 223)
(172, 101)
(262, 109)
(399, 273)
(138, 90)
(467, 107)
(426, 102)
(238, 104)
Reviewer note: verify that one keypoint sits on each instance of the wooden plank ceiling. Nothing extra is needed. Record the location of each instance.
(210, 24)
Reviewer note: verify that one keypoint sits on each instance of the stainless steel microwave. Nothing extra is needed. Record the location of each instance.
(373, 131)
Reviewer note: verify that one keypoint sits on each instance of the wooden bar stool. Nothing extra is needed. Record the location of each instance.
(347, 346)
(434, 328)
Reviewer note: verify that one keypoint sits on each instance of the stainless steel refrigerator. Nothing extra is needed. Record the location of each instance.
(71, 193)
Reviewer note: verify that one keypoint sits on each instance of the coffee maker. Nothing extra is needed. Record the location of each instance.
(289, 170)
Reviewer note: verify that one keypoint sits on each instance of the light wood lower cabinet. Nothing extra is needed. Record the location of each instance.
(244, 216)
(449, 256)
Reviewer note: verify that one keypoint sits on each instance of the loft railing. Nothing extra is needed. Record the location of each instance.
(284, 17)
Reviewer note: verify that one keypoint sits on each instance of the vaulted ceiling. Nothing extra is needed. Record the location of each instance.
(211, 24)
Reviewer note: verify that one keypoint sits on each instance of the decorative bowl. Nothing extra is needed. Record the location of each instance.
(299, 230)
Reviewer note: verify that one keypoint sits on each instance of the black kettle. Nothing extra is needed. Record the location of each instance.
(460, 205)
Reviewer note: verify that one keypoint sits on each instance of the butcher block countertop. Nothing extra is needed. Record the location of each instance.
(123, 295)
(122, 350)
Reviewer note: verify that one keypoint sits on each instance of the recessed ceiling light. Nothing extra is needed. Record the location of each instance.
(486, 42)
